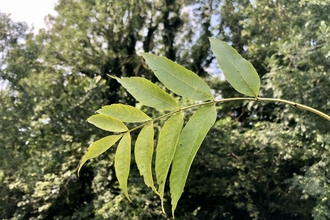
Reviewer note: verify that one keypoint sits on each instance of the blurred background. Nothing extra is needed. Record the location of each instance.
(259, 161)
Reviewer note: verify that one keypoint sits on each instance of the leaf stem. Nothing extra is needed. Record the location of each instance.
(155, 119)
(294, 104)
(171, 113)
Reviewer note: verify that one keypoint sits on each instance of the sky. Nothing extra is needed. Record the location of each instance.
(30, 11)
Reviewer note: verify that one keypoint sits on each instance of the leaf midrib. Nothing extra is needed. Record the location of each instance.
(186, 167)
(239, 72)
(122, 115)
(195, 88)
(156, 97)
(116, 110)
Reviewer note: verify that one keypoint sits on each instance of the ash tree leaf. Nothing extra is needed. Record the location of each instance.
(178, 79)
(190, 139)
(239, 72)
(148, 93)
(124, 113)
(166, 146)
(123, 162)
(98, 147)
(107, 123)
(144, 148)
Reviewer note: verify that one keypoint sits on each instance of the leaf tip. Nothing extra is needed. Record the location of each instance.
(173, 217)
(144, 54)
(127, 196)
(89, 119)
(113, 77)
(212, 39)
(162, 204)
(81, 163)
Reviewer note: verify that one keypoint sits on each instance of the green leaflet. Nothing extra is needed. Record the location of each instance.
(98, 147)
(107, 123)
(167, 142)
(178, 79)
(124, 113)
(238, 71)
(144, 148)
(190, 139)
(123, 162)
(148, 93)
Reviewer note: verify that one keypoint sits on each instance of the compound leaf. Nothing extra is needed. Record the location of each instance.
(239, 72)
(98, 147)
(177, 78)
(144, 148)
(123, 162)
(148, 93)
(107, 123)
(190, 139)
(124, 113)
(167, 142)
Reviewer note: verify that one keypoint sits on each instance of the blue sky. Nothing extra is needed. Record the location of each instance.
(30, 11)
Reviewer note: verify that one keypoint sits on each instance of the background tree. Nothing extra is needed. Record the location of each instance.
(260, 161)
(285, 40)
(40, 144)
(50, 91)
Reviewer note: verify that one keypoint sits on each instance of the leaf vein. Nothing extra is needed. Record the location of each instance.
(240, 72)
(156, 97)
(195, 88)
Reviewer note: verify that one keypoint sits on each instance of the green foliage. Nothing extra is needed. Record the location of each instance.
(144, 148)
(238, 72)
(181, 144)
(291, 57)
(107, 123)
(191, 137)
(259, 160)
(124, 113)
(166, 148)
(41, 106)
(123, 161)
(178, 79)
(148, 93)
(53, 79)
(99, 147)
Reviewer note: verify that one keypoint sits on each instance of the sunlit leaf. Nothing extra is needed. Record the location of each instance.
(167, 142)
(239, 72)
(144, 148)
(124, 113)
(98, 147)
(190, 139)
(123, 162)
(107, 123)
(148, 93)
(177, 78)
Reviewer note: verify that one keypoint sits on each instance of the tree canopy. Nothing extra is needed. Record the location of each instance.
(259, 160)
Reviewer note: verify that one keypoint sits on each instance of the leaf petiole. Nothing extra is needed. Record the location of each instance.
(294, 104)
